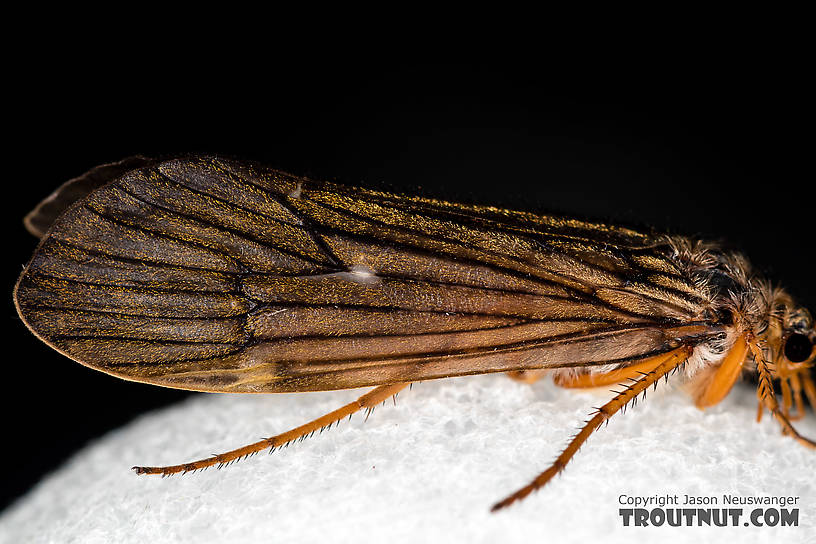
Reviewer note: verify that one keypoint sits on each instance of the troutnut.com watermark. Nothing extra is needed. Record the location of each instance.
(714, 510)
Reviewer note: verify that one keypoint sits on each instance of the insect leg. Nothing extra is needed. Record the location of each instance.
(670, 361)
(810, 388)
(717, 384)
(613, 377)
(367, 401)
(796, 386)
(787, 398)
(766, 395)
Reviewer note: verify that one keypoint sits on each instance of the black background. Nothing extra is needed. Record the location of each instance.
(719, 147)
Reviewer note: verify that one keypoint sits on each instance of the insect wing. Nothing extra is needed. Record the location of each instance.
(206, 274)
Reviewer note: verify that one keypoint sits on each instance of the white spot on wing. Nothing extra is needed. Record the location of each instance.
(296, 192)
(360, 273)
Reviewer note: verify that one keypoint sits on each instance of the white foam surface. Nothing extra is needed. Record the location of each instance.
(426, 470)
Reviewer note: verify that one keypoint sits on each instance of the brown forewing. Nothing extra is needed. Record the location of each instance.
(207, 274)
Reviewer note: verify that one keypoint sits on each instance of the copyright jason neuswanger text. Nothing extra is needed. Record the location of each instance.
(681, 510)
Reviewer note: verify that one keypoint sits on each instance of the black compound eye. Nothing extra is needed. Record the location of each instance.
(798, 348)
